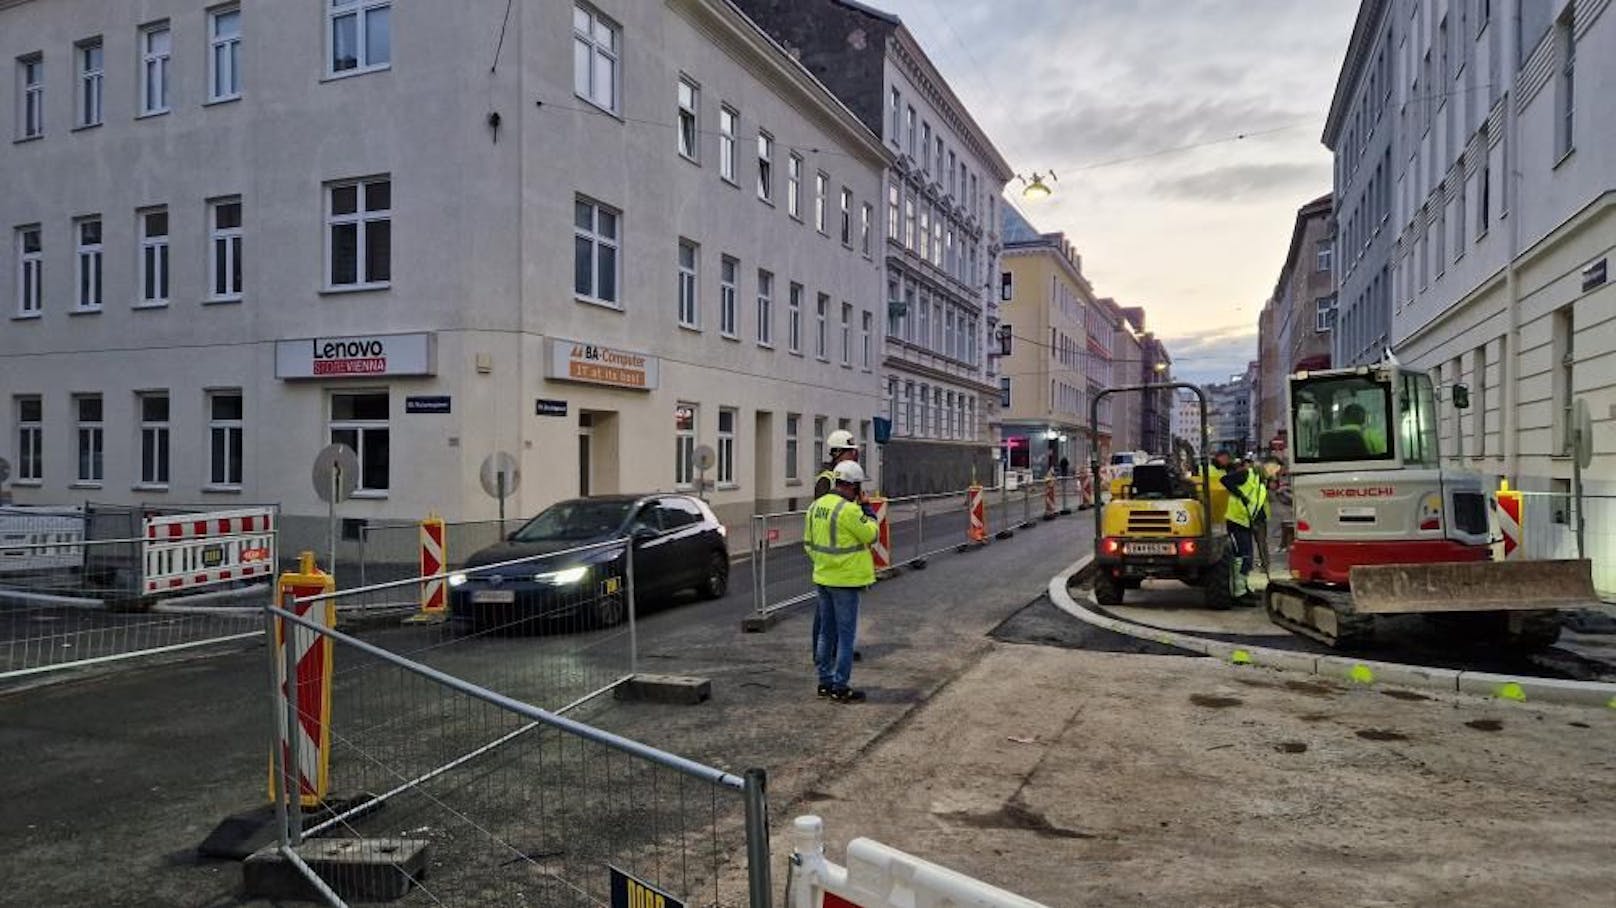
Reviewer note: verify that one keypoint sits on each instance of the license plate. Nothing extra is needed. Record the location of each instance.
(494, 596)
(1148, 548)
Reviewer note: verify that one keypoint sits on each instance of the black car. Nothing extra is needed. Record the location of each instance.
(678, 545)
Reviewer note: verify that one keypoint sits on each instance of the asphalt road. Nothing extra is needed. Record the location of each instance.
(112, 777)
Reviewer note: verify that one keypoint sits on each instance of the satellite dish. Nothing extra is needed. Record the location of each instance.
(336, 473)
(705, 457)
(497, 467)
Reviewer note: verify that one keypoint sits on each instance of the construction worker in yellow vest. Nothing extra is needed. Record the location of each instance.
(1248, 497)
(837, 535)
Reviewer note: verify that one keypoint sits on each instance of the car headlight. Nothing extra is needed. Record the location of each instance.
(564, 577)
(457, 579)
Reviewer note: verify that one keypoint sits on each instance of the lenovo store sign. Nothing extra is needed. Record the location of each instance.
(368, 356)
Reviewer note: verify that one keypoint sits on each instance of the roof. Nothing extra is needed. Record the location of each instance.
(870, 11)
(1323, 206)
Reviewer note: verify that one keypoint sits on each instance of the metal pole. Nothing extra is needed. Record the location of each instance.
(362, 573)
(1026, 506)
(499, 485)
(758, 529)
(628, 591)
(757, 839)
(294, 725)
(763, 569)
(331, 518)
(277, 779)
(1576, 491)
(920, 529)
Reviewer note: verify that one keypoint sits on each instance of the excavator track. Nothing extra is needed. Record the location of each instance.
(1319, 614)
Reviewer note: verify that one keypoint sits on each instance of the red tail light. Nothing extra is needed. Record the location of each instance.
(1110, 546)
(1186, 547)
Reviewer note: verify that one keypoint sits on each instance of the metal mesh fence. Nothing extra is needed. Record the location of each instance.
(487, 799)
(392, 551)
(1549, 530)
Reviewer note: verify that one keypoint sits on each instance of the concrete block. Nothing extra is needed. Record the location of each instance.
(1539, 690)
(361, 870)
(1284, 659)
(1368, 671)
(757, 624)
(677, 689)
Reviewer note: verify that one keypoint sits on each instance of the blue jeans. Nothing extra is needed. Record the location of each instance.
(1242, 539)
(837, 625)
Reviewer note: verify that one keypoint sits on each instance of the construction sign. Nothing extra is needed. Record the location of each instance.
(434, 588)
(305, 746)
(977, 532)
(881, 551)
(1510, 513)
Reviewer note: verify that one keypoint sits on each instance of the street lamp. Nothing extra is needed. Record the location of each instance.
(1036, 189)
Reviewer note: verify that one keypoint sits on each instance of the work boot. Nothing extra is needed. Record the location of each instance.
(847, 695)
(825, 690)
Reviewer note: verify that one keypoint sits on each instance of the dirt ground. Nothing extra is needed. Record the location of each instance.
(1092, 778)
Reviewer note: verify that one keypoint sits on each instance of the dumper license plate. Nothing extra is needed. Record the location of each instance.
(1148, 548)
(498, 597)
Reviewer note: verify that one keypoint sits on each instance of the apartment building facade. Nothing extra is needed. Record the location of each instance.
(941, 199)
(239, 237)
(1297, 325)
(1501, 219)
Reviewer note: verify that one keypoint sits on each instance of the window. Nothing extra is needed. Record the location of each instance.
(1325, 255)
(154, 53)
(726, 447)
(684, 446)
(361, 35)
(924, 430)
(687, 285)
(897, 123)
(866, 325)
(154, 439)
(923, 335)
(909, 124)
(30, 439)
(765, 153)
(1484, 202)
(88, 232)
(153, 256)
(793, 420)
(91, 76)
(224, 60)
(360, 233)
(937, 240)
(821, 183)
(925, 147)
(765, 309)
(224, 234)
(224, 439)
(894, 319)
(31, 105)
(822, 312)
(726, 296)
(794, 186)
(925, 232)
(946, 423)
(91, 438)
(30, 265)
(594, 252)
(1004, 391)
(908, 413)
(726, 143)
(819, 439)
(893, 217)
(939, 163)
(1567, 39)
(909, 223)
(847, 334)
(794, 318)
(594, 58)
(1563, 346)
(689, 96)
(359, 420)
(953, 175)
(1324, 314)
(847, 219)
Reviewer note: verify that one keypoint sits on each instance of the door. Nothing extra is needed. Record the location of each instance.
(651, 552)
(583, 464)
(689, 545)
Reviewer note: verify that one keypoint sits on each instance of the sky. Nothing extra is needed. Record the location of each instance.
(1196, 236)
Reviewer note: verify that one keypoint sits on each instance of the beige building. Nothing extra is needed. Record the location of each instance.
(1298, 321)
(237, 237)
(1045, 303)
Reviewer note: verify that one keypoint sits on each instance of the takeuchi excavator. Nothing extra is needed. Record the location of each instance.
(1382, 528)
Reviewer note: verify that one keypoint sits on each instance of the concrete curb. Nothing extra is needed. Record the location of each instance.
(1364, 672)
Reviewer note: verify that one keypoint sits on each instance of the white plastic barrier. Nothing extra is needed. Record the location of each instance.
(879, 876)
(41, 539)
(187, 551)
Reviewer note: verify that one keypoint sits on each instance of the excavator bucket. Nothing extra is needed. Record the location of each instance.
(1475, 586)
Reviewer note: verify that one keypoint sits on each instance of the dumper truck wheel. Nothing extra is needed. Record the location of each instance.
(1217, 583)
(1107, 589)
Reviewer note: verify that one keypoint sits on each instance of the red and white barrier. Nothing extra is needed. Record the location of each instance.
(1051, 509)
(1087, 494)
(881, 551)
(187, 551)
(1510, 513)
(879, 876)
(977, 531)
(434, 590)
(309, 752)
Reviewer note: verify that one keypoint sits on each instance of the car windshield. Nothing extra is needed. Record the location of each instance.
(579, 519)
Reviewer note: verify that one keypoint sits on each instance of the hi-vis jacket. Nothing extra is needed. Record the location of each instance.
(1255, 493)
(837, 536)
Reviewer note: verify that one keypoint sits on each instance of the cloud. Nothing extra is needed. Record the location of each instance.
(1211, 354)
(1245, 181)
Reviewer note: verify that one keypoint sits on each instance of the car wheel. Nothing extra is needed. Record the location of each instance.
(1107, 589)
(610, 610)
(716, 582)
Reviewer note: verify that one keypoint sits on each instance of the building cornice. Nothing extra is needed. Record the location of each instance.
(908, 53)
(1364, 32)
(1033, 247)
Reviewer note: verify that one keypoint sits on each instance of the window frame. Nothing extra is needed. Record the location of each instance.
(866, 216)
(154, 435)
(597, 51)
(793, 448)
(360, 10)
(30, 271)
(729, 279)
(821, 186)
(821, 336)
(689, 313)
(598, 240)
(794, 186)
(93, 431)
(363, 219)
(232, 429)
(794, 318)
(364, 429)
(684, 445)
(89, 103)
(845, 200)
(89, 265)
(765, 309)
(154, 68)
(231, 43)
(866, 332)
(724, 461)
(729, 126)
(30, 435)
(229, 241)
(689, 119)
(30, 96)
(847, 335)
(765, 167)
(152, 257)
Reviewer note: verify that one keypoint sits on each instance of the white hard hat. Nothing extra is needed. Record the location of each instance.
(840, 440)
(849, 471)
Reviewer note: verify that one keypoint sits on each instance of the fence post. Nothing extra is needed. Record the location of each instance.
(760, 597)
(277, 776)
(628, 593)
(364, 529)
(1065, 487)
(920, 533)
(757, 838)
(807, 860)
(294, 723)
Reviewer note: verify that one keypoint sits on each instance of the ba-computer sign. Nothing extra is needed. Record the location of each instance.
(364, 356)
